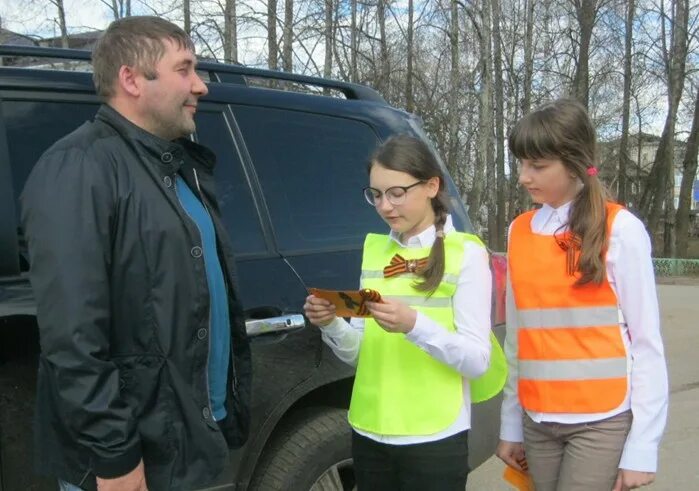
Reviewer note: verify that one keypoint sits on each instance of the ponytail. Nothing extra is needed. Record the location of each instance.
(587, 244)
(433, 273)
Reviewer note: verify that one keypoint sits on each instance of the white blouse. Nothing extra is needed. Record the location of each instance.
(630, 274)
(467, 349)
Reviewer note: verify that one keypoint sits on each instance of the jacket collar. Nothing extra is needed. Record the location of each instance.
(169, 155)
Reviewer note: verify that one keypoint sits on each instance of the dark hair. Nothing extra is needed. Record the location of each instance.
(404, 153)
(562, 130)
(133, 41)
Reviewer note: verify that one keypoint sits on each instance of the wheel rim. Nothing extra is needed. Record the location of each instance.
(338, 477)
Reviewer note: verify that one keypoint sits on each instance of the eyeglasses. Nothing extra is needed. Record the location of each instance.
(395, 194)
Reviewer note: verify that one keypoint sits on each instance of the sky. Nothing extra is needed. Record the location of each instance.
(36, 18)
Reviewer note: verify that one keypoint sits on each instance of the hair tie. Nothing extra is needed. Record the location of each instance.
(440, 234)
(592, 171)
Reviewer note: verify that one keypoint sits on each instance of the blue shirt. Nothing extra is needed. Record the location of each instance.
(219, 326)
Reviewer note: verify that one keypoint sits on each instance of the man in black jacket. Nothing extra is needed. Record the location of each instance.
(144, 373)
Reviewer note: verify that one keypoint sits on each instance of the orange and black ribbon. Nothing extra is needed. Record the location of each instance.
(400, 265)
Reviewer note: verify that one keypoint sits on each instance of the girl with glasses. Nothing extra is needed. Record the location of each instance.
(424, 354)
(587, 388)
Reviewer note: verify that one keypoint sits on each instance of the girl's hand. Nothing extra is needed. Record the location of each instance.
(319, 311)
(627, 479)
(512, 453)
(393, 316)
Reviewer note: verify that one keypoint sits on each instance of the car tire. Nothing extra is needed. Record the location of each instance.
(312, 453)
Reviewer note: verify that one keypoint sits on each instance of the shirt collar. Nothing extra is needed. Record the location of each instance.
(547, 213)
(424, 238)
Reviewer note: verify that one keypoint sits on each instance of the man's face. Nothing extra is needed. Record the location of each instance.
(168, 102)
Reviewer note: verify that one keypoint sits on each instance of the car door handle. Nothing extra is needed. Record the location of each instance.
(275, 325)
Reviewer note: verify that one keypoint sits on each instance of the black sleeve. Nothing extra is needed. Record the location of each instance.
(67, 213)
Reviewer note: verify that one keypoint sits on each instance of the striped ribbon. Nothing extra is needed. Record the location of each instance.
(400, 265)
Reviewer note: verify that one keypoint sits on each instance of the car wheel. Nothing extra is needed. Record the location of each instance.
(312, 453)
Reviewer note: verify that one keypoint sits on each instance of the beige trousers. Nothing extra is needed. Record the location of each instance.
(575, 457)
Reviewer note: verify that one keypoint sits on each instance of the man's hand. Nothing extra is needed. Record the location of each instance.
(393, 316)
(512, 453)
(319, 311)
(627, 479)
(133, 481)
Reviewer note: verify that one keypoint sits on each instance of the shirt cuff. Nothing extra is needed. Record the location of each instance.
(511, 431)
(423, 330)
(335, 329)
(641, 458)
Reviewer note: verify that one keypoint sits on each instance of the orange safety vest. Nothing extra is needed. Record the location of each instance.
(571, 357)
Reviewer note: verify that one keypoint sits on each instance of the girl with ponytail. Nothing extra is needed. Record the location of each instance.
(427, 351)
(586, 399)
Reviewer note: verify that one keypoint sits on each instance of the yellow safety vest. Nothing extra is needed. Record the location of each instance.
(399, 389)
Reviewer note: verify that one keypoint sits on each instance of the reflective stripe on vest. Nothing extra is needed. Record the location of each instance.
(572, 317)
(571, 355)
(400, 389)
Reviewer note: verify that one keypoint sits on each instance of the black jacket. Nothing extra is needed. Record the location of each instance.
(123, 310)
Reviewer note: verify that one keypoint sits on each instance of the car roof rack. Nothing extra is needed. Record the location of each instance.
(220, 72)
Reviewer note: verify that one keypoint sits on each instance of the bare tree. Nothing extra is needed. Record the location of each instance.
(498, 241)
(689, 171)
(61, 21)
(454, 94)
(354, 43)
(485, 120)
(272, 48)
(586, 12)
(409, 100)
(119, 8)
(287, 35)
(658, 195)
(626, 105)
(230, 32)
(328, 34)
(187, 17)
(384, 81)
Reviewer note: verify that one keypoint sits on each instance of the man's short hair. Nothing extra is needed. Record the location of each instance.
(138, 42)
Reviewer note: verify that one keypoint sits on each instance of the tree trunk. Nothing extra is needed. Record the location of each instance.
(586, 11)
(499, 239)
(354, 45)
(272, 34)
(523, 202)
(128, 8)
(230, 32)
(288, 35)
(384, 82)
(409, 102)
(626, 106)
(328, 62)
(485, 122)
(115, 9)
(659, 191)
(454, 95)
(62, 22)
(689, 173)
(187, 17)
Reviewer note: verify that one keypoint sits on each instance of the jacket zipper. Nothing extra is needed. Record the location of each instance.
(208, 345)
(225, 283)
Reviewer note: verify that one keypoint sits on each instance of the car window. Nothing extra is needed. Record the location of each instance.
(32, 127)
(232, 189)
(312, 169)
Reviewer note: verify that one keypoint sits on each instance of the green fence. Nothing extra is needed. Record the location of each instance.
(667, 266)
